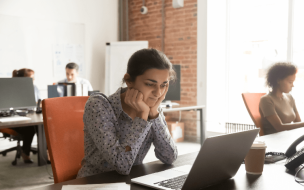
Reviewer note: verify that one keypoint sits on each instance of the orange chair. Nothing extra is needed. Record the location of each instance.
(15, 136)
(252, 101)
(62, 118)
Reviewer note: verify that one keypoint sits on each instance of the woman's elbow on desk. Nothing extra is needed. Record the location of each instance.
(166, 160)
(169, 161)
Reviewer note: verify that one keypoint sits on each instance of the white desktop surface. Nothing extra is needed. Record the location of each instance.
(13, 118)
(183, 108)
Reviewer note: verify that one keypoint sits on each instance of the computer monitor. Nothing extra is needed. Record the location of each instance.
(56, 91)
(69, 87)
(17, 93)
(174, 87)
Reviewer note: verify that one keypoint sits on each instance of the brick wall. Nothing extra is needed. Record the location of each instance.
(180, 45)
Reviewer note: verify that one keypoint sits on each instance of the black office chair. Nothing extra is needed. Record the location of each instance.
(13, 135)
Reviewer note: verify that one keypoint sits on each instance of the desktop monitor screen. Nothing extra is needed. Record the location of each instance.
(17, 93)
(56, 91)
(174, 87)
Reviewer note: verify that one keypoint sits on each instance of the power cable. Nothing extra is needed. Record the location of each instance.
(295, 177)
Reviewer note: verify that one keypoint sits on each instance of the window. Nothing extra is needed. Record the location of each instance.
(240, 39)
(297, 54)
(258, 37)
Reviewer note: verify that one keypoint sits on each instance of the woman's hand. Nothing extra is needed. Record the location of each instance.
(154, 110)
(135, 99)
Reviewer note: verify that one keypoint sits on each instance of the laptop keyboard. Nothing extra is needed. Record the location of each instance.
(173, 183)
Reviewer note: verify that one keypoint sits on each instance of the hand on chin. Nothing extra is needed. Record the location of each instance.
(151, 103)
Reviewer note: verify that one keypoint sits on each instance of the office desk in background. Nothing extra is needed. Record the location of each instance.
(275, 176)
(36, 119)
(190, 108)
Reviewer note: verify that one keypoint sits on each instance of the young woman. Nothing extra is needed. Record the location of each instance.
(119, 130)
(278, 108)
(26, 132)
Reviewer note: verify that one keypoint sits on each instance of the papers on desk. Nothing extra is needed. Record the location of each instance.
(105, 186)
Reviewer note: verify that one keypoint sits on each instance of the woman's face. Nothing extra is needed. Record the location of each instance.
(32, 76)
(286, 84)
(152, 84)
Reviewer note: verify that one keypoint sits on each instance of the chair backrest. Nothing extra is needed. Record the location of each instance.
(252, 101)
(62, 118)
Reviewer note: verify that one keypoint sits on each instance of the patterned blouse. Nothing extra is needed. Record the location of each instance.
(108, 130)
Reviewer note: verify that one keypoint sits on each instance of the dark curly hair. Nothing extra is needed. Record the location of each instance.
(145, 59)
(279, 71)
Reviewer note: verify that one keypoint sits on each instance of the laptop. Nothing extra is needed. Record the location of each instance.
(218, 159)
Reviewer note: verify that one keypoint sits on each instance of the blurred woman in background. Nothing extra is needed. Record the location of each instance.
(278, 108)
(27, 132)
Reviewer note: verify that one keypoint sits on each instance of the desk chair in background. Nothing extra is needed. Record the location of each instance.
(13, 135)
(252, 101)
(62, 118)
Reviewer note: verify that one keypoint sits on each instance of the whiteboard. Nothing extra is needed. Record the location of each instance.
(66, 53)
(31, 42)
(117, 57)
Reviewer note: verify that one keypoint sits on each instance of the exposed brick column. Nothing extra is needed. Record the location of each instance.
(180, 45)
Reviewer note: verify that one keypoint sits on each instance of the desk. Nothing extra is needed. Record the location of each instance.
(275, 176)
(36, 119)
(189, 108)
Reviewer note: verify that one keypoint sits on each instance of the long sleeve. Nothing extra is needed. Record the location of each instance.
(100, 121)
(165, 148)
